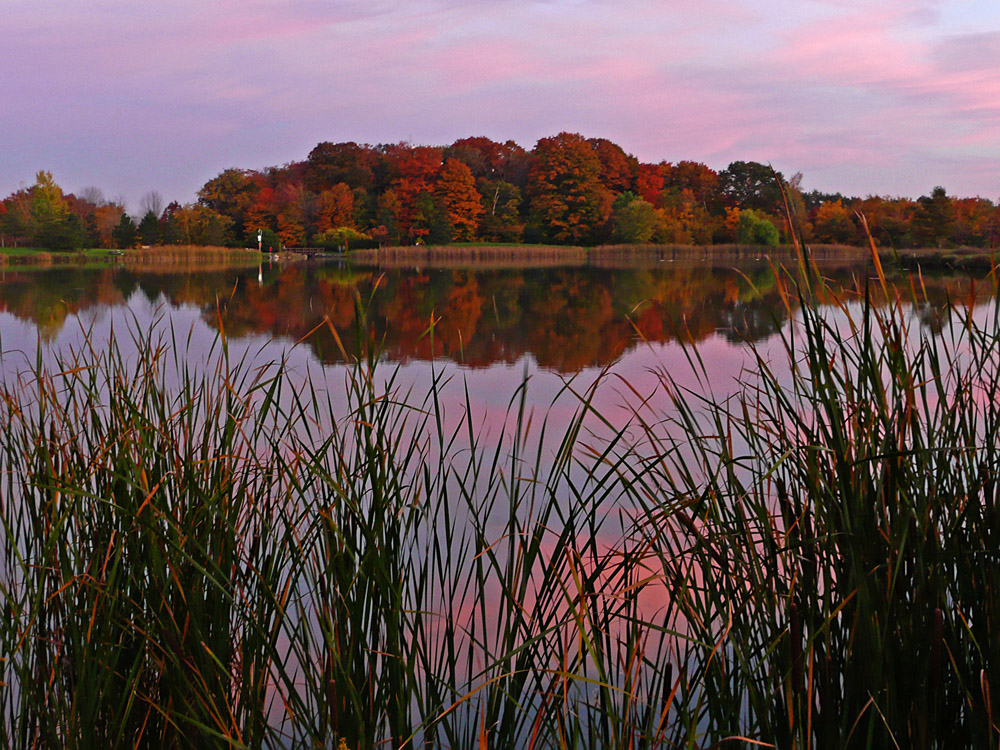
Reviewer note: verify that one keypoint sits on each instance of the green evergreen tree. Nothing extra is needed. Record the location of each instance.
(149, 229)
(935, 218)
(124, 235)
(91, 232)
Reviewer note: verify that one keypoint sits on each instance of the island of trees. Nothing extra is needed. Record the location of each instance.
(567, 190)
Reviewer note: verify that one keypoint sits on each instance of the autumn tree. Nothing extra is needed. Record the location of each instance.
(619, 170)
(890, 220)
(684, 219)
(106, 218)
(483, 156)
(456, 190)
(335, 208)
(15, 223)
(649, 183)
(262, 215)
(833, 222)
(700, 180)
(199, 225)
(293, 205)
(413, 171)
(500, 171)
(977, 222)
(490, 160)
(231, 194)
(567, 201)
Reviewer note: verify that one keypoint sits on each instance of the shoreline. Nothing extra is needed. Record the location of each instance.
(625, 256)
(499, 256)
(160, 257)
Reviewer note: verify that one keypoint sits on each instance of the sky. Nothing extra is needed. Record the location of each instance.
(888, 97)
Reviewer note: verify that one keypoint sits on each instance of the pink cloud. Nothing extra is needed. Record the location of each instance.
(858, 49)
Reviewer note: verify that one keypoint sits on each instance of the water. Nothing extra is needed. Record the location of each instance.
(615, 334)
(562, 329)
(490, 328)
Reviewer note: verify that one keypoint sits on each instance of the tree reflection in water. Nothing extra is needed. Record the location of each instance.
(566, 318)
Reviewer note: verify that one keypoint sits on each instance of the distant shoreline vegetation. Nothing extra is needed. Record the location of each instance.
(568, 190)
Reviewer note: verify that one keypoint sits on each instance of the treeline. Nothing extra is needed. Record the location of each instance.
(43, 216)
(567, 190)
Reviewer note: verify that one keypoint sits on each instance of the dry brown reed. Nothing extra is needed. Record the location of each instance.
(179, 257)
(482, 256)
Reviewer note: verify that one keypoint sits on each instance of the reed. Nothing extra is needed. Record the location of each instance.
(841, 552)
(464, 256)
(198, 257)
(232, 555)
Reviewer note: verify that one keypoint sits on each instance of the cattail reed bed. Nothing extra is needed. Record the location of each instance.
(463, 256)
(230, 555)
(166, 258)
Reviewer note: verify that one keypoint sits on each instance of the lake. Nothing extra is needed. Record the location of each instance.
(492, 325)
(560, 501)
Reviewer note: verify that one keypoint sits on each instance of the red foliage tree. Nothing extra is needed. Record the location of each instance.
(414, 170)
(649, 183)
(618, 169)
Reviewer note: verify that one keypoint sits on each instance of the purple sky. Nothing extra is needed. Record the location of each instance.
(885, 96)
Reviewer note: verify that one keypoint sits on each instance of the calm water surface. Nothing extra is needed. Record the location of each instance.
(491, 327)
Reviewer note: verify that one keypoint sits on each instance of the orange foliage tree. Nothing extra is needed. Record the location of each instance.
(566, 198)
(833, 223)
(456, 189)
(336, 208)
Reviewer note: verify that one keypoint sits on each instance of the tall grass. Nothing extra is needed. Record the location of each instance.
(842, 546)
(232, 556)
